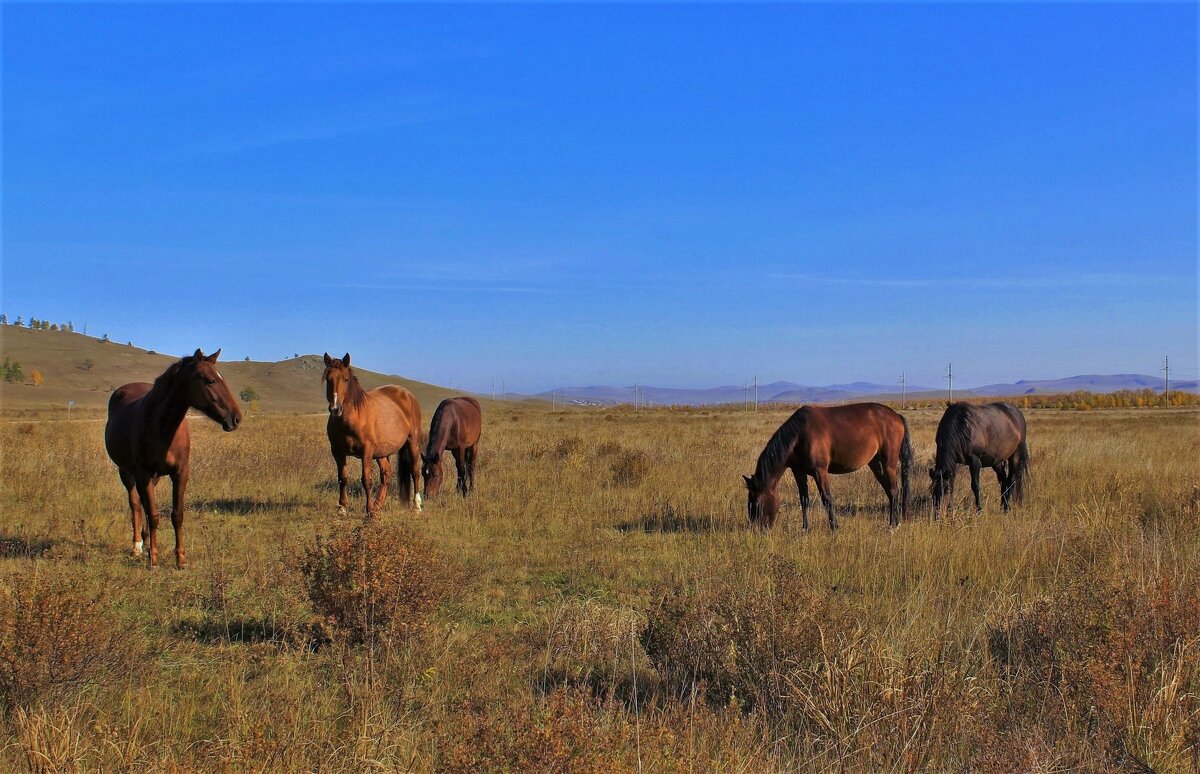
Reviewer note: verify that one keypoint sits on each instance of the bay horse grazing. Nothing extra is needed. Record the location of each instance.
(456, 426)
(991, 435)
(372, 425)
(816, 441)
(147, 436)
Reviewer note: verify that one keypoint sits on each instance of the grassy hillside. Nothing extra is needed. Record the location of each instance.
(85, 370)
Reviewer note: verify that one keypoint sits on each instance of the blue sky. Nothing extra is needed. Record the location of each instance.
(577, 194)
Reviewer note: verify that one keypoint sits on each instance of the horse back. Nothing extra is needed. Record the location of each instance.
(404, 401)
(469, 416)
(848, 437)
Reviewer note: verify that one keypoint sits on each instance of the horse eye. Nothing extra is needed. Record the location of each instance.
(210, 381)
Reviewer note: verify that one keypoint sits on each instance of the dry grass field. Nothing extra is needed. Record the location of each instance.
(599, 604)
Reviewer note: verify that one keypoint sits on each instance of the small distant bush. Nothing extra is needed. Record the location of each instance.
(629, 467)
(377, 584)
(57, 636)
(248, 394)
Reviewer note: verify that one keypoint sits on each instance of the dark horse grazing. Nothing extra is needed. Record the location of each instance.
(991, 435)
(456, 426)
(817, 441)
(147, 436)
(372, 425)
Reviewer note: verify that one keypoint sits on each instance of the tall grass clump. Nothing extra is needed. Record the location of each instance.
(376, 585)
(58, 636)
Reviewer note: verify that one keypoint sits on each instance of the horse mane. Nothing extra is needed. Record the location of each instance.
(774, 456)
(435, 427)
(954, 433)
(163, 383)
(355, 394)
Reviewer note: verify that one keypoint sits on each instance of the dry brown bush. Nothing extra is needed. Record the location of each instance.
(1109, 662)
(58, 635)
(377, 584)
(629, 467)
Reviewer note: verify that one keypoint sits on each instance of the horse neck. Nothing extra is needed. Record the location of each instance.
(439, 435)
(774, 458)
(167, 406)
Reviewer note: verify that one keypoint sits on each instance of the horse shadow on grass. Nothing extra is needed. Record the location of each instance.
(246, 506)
(23, 547)
(668, 518)
(246, 631)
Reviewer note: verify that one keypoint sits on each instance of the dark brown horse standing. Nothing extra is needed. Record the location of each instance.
(816, 441)
(147, 436)
(991, 435)
(372, 425)
(456, 425)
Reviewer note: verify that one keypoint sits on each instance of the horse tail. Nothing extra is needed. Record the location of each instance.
(1019, 474)
(404, 472)
(906, 459)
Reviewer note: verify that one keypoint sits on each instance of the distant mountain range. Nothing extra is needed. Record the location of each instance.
(790, 392)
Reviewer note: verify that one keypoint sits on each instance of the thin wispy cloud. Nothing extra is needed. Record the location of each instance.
(995, 283)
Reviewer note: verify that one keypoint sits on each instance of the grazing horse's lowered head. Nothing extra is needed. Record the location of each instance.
(340, 383)
(431, 472)
(941, 484)
(762, 503)
(206, 391)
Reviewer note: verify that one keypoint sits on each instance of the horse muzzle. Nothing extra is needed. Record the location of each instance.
(232, 423)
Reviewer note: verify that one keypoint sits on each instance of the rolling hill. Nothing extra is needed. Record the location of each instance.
(86, 370)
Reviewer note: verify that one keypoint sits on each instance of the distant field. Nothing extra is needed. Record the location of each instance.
(601, 605)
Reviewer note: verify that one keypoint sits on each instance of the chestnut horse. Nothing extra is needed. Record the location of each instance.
(816, 441)
(372, 425)
(456, 426)
(147, 436)
(991, 435)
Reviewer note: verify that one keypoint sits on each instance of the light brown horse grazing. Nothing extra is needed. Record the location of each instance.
(992, 435)
(816, 441)
(372, 425)
(147, 436)
(456, 426)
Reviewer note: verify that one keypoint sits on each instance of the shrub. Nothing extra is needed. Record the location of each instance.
(1093, 660)
(58, 635)
(376, 585)
(629, 467)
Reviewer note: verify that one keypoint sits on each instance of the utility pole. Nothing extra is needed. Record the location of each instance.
(745, 395)
(756, 392)
(1166, 371)
(493, 389)
(903, 396)
(950, 382)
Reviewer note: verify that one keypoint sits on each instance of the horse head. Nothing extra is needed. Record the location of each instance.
(337, 382)
(941, 482)
(762, 503)
(207, 391)
(431, 471)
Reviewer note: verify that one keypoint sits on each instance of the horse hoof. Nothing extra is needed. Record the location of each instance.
(417, 500)
(137, 548)
(341, 511)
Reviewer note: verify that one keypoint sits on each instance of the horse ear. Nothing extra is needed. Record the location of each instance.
(328, 359)
(213, 357)
(346, 359)
(197, 354)
(747, 479)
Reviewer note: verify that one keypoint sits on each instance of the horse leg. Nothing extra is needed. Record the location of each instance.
(802, 486)
(385, 480)
(414, 459)
(975, 467)
(145, 490)
(471, 468)
(1002, 477)
(135, 512)
(821, 476)
(340, 461)
(179, 481)
(368, 459)
(460, 466)
(889, 479)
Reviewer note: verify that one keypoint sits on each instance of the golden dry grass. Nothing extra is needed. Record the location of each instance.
(612, 610)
